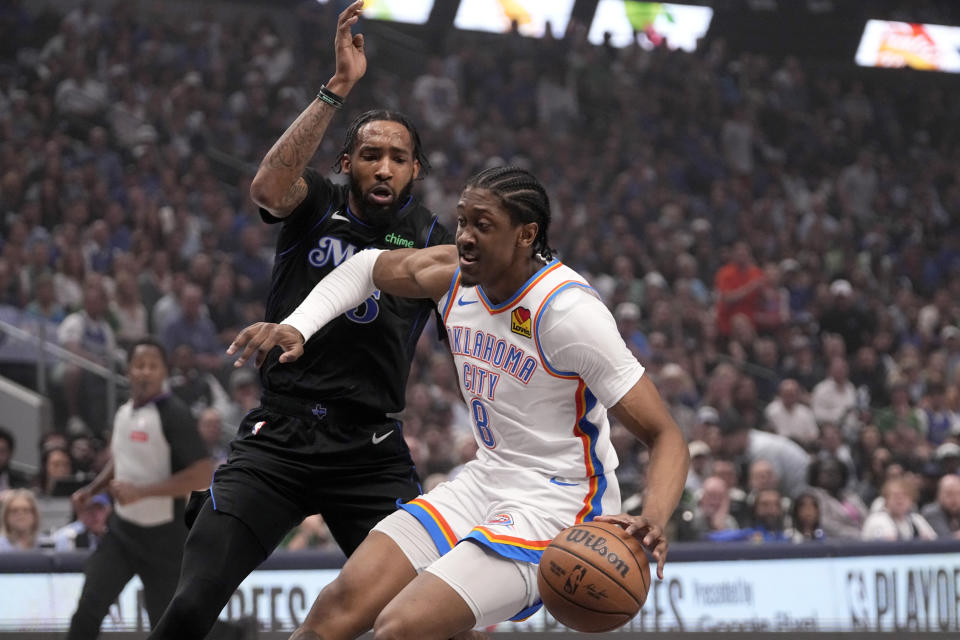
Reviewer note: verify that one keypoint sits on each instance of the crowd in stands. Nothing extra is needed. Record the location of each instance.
(778, 242)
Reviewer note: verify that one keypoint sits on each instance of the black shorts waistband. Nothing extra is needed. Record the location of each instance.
(335, 411)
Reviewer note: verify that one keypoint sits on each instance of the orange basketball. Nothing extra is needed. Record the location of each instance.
(593, 577)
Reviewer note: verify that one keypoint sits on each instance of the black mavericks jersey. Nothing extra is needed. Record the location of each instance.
(363, 357)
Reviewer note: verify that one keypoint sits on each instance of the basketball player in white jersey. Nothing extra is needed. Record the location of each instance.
(540, 362)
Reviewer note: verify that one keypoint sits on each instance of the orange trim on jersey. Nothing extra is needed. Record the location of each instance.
(585, 439)
(506, 306)
(439, 519)
(536, 545)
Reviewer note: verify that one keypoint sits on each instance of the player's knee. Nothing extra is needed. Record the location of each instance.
(391, 625)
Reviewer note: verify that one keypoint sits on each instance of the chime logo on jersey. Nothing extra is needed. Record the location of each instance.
(520, 322)
(258, 426)
(500, 518)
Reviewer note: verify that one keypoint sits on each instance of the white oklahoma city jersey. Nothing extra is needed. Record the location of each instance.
(538, 370)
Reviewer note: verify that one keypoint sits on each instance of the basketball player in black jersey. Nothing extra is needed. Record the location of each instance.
(321, 441)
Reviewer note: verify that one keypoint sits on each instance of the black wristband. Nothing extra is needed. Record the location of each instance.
(330, 97)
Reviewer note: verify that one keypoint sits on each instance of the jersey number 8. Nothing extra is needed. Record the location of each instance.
(480, 419)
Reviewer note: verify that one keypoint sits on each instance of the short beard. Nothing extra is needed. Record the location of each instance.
(377, 215)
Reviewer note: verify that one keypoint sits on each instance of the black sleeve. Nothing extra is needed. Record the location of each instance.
(180, 430)
(439, 234)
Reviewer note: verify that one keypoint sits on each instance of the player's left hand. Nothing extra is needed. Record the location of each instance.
(261, 337)
(125, 492)
(647, 531)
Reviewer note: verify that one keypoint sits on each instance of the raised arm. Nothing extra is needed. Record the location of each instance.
(410, 273)
(279, 186)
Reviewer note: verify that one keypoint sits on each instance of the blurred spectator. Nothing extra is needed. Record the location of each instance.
(789, 460)
(55, 465)
(225, 312)
(832, 445)
(244, 394)
(10, 291)
(707, 427)
(897, 519)
(193, 328)
(901, 423)
(801, 364)
(939, 419)
(948, 456)
(700, 457)
(834, 399)
(436, 95)
(88, 529)
(88, 334)
(128, 311)
(857, 186)
(731, 474)
(196, 388)
(10, 478)
(679, 393)
(805, 517)
(944, 514)
(869, 376)
(767, 517)
(737, 285)
(712, 512)
(83, 453)
(842, 512)
(789, 417)
(44, 303)
(210, 426)
(845, 317)
(19, 521)
(627, 315)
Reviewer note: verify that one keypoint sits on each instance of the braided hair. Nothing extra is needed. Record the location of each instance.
(350, 140)
(522, 195)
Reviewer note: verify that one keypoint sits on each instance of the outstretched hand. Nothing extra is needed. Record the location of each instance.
(261, 337)
(648, 532)
(351, 59)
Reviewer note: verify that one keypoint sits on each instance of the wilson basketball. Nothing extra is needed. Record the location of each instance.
(593, 577)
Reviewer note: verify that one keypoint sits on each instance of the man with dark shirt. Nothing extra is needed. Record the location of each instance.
(321, 441)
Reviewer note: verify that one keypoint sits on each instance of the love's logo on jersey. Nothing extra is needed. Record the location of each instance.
(520, 322)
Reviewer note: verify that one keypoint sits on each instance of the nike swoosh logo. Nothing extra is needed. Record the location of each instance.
(464, 303)
(377, 439)
(340, 216)
(563, 484)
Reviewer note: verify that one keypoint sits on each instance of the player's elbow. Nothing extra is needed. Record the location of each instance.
(263, 193)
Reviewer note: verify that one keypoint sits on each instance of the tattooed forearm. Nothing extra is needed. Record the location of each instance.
(278, 178)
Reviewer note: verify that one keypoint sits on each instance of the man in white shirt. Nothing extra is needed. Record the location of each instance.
(791, 418)
(834, 399)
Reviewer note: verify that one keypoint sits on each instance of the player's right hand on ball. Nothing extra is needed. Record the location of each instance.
(649, 533)
(261, 337)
